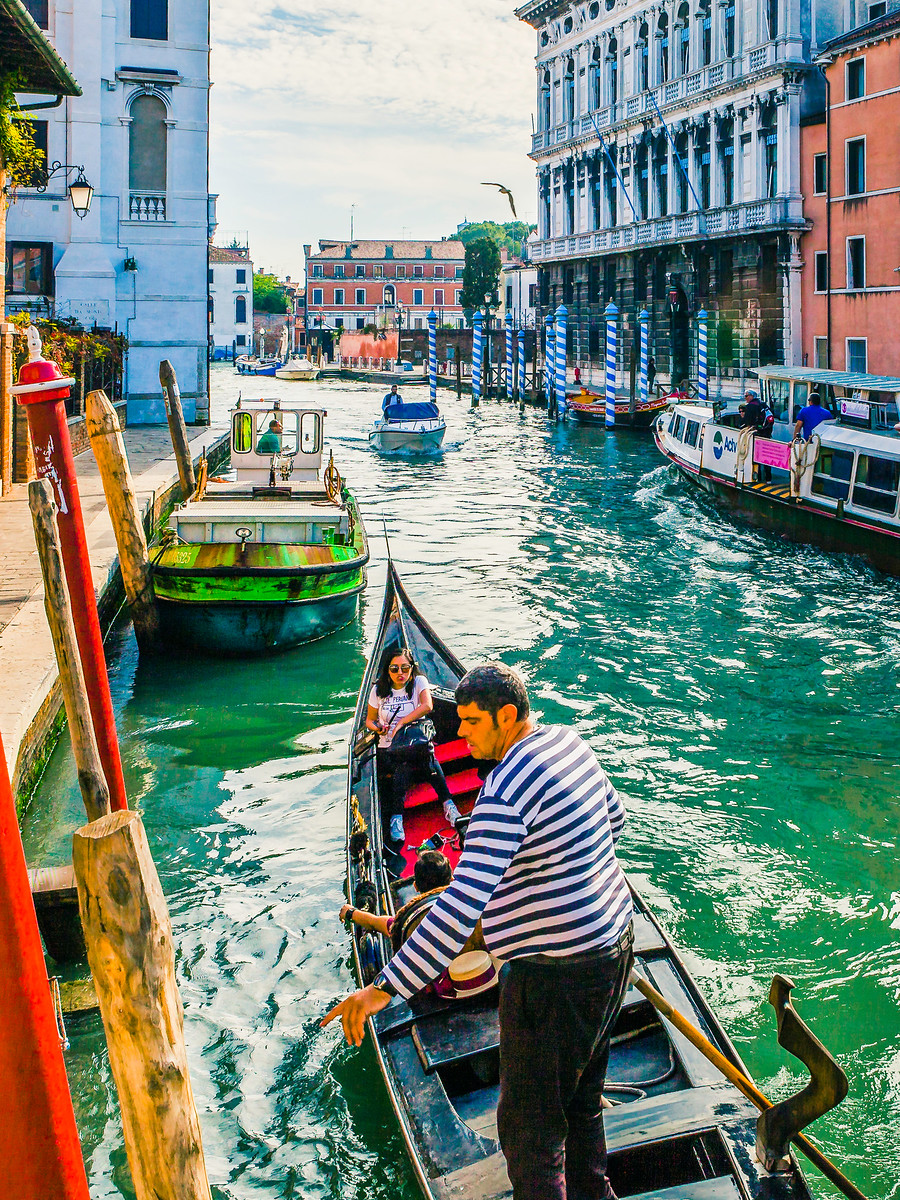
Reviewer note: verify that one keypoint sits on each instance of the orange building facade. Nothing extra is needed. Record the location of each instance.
(352, 285)
(850, 179)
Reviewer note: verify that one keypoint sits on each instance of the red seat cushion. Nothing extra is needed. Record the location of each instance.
(460, 784)
(449, 752)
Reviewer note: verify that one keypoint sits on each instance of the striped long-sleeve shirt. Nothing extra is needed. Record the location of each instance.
(539, 865)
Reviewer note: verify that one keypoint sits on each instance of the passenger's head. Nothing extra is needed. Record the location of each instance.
(275, 426)
(751, 395)
(397, 670)
(815, 398)
(432, 870)
(492, 703)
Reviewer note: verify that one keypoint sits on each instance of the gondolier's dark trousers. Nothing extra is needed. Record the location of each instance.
(556, 1019)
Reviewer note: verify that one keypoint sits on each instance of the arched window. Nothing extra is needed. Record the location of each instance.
(390, 296)
(643, 63)
(147, 145)
(612, 64)
(569, 102)
(683, 24)
(240, 310)
(545, 101)
(662, 34)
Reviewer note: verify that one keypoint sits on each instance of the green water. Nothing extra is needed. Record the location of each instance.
(742, 693)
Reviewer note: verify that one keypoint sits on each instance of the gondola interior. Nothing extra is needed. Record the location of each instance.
(675, 1129)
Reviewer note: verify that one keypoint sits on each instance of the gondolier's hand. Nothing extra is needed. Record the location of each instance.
(355, 1009)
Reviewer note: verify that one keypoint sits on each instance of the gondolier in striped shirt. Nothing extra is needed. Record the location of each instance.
(540, 870)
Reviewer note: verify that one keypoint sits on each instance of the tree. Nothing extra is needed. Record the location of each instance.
(268, 294)
(481, 273)
(509, 237)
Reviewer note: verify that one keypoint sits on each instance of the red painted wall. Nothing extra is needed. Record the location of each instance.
(873, 313)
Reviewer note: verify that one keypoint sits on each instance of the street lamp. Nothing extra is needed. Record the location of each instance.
(81, 193)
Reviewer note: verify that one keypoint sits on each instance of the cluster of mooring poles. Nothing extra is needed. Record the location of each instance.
(123, 913)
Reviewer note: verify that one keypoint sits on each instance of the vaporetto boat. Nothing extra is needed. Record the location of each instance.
(839, 490)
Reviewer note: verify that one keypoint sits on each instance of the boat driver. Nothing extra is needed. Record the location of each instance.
(811, 416)
(270, 442)
(392, 397)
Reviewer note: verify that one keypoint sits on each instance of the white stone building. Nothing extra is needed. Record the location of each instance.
(667, 152)
(519, 288)
(230, 301)
(138, 260)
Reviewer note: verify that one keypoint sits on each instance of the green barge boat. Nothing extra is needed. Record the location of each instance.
(272, 558)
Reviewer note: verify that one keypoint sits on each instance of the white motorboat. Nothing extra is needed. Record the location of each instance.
(416, 428)
(298, 368)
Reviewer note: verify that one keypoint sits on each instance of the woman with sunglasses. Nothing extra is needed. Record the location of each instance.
(400, 697)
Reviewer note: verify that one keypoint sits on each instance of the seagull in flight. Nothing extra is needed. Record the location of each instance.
(507, 193)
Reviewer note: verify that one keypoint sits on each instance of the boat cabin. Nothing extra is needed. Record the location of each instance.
(294, 452)
(857, 400)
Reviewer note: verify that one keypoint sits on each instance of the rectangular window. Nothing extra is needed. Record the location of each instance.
(339, 322)
(360, 322)
(820, 174)
(378, 271)
(317, 270)
(418, 271)
(210, 275)
(857, 355)
(240, 340)
(339, 295)
(820, 352)
(418, 296)
(401, 271)
(360, 270)
(339, 270)
(821, 270)
(417, 324)
(458, 299)
(438, 271)
(856, 264)
(360, 295)
(856, 166)
(38, 177)
(29, 268)
(317, 296)
(833, 471)
(439, 296)
(240, 275)
(856, 79)
(691, 433)
(459, 272)
(876, 482)
(150, 19)
(40, 11)
(877, 10)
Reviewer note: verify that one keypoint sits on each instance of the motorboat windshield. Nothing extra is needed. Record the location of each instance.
(412, 412)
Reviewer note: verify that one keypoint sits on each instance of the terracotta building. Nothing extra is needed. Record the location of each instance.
(851, 183)
(350, 285)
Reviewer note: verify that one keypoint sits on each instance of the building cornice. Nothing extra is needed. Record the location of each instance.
(539, 12)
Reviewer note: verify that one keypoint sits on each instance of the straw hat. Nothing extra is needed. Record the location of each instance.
(467, 975)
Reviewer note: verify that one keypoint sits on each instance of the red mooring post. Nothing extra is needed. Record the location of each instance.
(39, 1146)
(42, 391)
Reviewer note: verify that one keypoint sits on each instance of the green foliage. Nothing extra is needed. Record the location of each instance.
(268, 294)
(67, 345)
(481, 273)
(509, 237)
(18, 153)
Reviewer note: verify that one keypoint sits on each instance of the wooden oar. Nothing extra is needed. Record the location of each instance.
(742, 1083)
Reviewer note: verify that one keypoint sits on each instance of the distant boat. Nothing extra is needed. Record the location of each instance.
(248, 364)
(589, 408)
(416, 428)
(298, 369)
(268, 560)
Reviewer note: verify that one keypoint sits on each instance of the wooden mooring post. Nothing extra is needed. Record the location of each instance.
(177, 427)
(109, 450)
(132, 957)
(91, 779)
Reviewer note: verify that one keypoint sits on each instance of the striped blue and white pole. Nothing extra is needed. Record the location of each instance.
(477, 355)
(549, 360)
(509, 356)
(432, 354)
(644, 320)
(702, 378)
(562, 314)
(611, 315)
(521, 340)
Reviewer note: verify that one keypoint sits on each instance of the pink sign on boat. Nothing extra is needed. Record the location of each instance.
(772, 454)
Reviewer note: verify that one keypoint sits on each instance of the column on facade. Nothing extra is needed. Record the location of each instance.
(693, 188)
(788, 128)
(673, 166)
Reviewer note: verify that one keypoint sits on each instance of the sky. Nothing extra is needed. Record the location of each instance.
(400, 108)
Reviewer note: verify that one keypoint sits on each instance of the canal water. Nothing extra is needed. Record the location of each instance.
(741, 692)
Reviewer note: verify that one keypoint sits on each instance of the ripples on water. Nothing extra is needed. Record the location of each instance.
(741, 691)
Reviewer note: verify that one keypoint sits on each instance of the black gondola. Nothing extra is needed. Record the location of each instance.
(676, 1129)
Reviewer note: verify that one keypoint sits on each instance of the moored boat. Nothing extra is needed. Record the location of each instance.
(589, 408)
(246, 364)
(676, 1131)
(276, 556)
(416, 428)
(839, 490)
(300, 369)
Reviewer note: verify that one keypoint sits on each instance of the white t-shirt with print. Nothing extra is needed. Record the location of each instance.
(395, 706)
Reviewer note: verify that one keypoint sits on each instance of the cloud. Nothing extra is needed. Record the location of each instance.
(400, 109)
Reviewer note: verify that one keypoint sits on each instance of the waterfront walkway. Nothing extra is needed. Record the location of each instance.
(29, 703)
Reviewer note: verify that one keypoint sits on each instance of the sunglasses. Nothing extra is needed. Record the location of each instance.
(399, 670)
